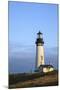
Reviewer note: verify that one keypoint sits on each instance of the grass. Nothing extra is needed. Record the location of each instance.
(33, 79)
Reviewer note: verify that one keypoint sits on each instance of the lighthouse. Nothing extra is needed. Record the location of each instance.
(39, 50)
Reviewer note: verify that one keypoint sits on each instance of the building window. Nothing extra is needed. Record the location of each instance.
(41, 57)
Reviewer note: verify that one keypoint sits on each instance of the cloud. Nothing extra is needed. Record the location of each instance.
(19, 50)
(21, 61)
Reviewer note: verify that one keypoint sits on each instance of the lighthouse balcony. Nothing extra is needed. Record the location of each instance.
(39, 40)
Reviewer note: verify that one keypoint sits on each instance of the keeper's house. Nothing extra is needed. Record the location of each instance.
(45, 68)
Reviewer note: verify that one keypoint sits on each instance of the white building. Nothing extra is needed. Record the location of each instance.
(39, 64)
(45, 68)
(39, 50)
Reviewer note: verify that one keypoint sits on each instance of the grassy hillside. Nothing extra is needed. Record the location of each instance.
(33, 79)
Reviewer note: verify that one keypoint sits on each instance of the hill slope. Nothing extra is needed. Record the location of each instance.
(33, 80)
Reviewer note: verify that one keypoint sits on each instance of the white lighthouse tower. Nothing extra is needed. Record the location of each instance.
(39, 50)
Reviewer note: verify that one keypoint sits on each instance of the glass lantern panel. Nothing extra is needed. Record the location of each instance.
(41, 36)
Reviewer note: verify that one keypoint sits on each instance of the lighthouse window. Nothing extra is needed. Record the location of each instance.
(41, 57)
(41, 36)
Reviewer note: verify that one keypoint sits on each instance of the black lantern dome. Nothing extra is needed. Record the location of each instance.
(39, 39)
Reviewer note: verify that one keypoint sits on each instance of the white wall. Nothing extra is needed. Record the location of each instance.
(48, 69)
(39, 53)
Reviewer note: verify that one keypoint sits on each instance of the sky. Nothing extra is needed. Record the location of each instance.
(25, 21)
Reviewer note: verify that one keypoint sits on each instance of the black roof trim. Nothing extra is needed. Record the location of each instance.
(45, 66)
(39, 33)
